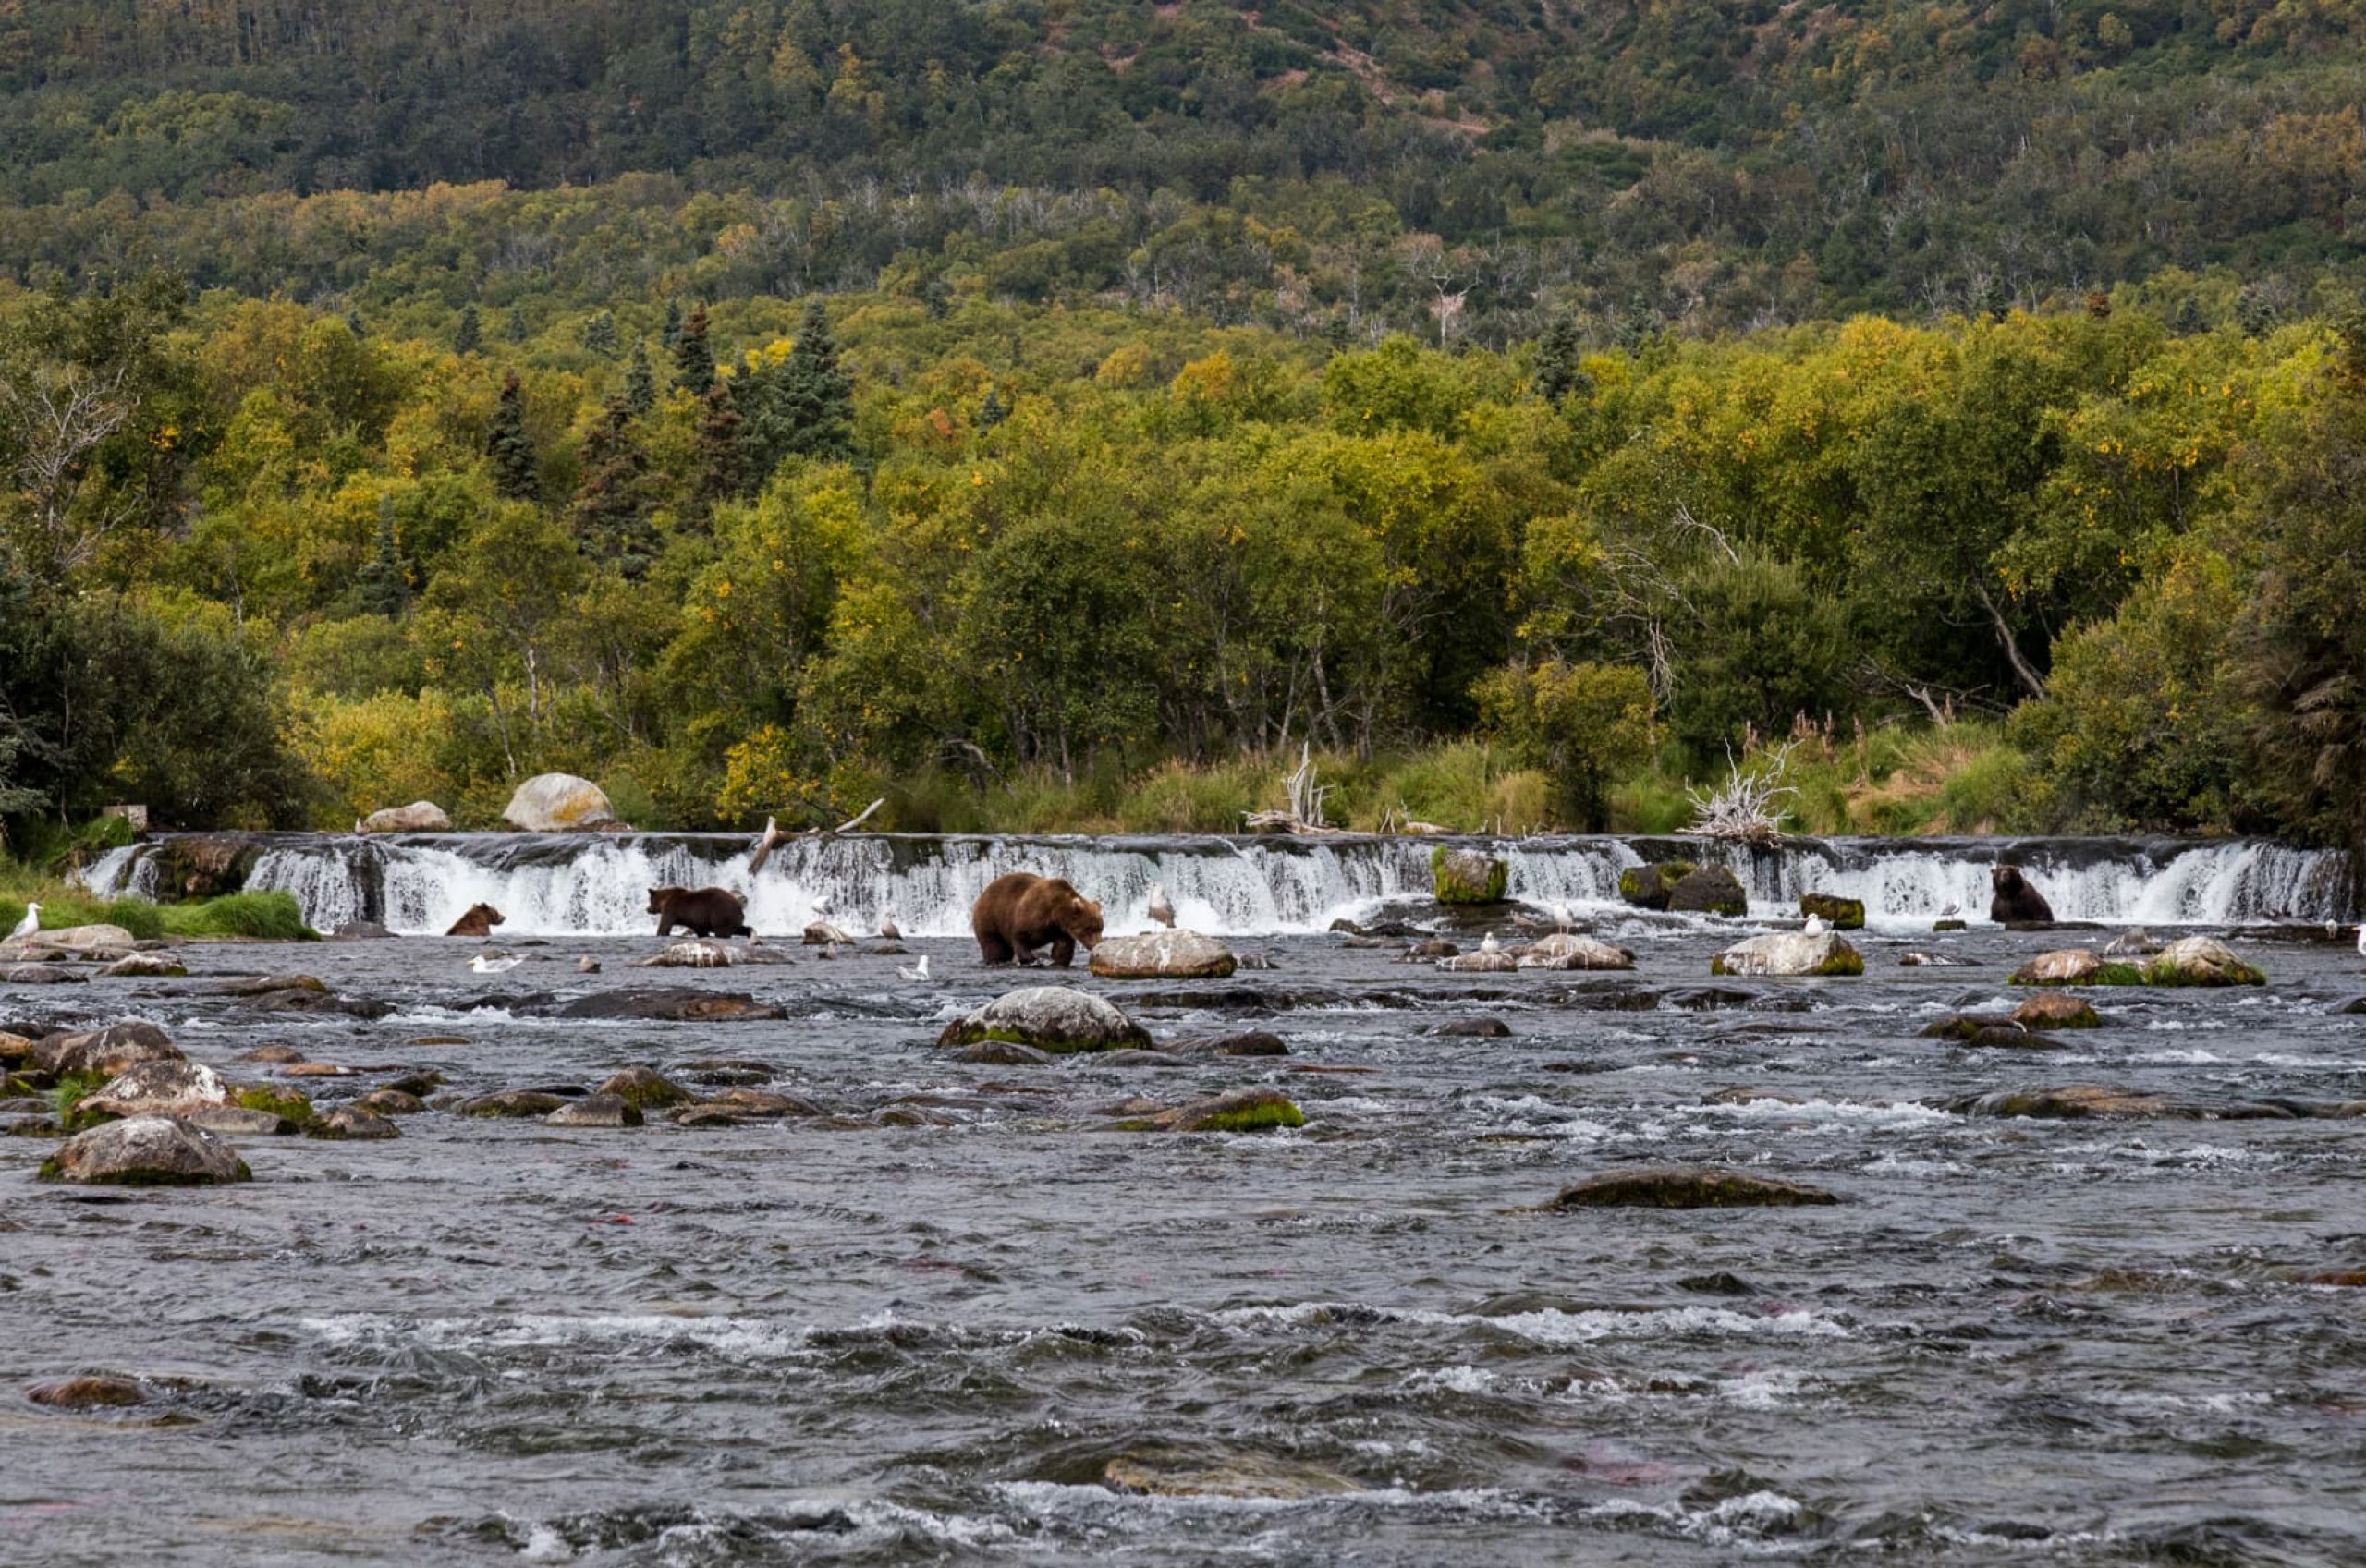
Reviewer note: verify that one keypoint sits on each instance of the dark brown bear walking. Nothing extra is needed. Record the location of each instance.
(1020, 913)
(707, 911)
(2015, 902)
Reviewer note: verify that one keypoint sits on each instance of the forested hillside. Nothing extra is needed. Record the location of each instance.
(1059, 415)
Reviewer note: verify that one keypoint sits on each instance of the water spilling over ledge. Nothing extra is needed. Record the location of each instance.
(597, 885)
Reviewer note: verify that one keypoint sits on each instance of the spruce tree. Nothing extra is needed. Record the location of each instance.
(672, 334)
(517, 471)
(640, 382)
(600, 335)
(722, 453)
(693, 358)
(991, 412)
(515, 330)
(470, 336)
(386, 582)
(353, 325)
(816, 397)
(610, 515)
(1557, 358)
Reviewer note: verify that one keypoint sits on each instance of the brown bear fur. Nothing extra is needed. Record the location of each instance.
(1021, 912)
(2016, 902)
(479, 921)
(708, 911)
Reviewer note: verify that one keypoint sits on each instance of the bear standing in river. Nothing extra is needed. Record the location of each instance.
(708, 911)
(1021, 912)
(479, 921)
(2016, 902)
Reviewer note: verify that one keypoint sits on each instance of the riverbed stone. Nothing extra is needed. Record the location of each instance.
(742, 1101)
(352, 1122)
(1649, 887)
(1246, 1042)
(1502, 961)
(1165, 954)
(2136, 944)
(1006, 1053)
(1055, 1018)
(1473, 1028)
(706, 1116)
(145, 1151)
(2100, 1102)
(2057, 1010)
(2200, 961)
(690, 955)
(1425, 952)
(1689, 1186)
(107, 1051)
(1709, 890)
(391, 1102)
(511, 1103)
(1565, 950)
(672, 1004)
(1840, 914)
(1169, 1471)
(1237, 1111)
(1789, 953)
(144, 966)
(156, 1088)
(597, 1110)
(240, 1122)
(558, 803)
(645, 1089)
(418, 817)
(41, 975)
(98, 1392)
(2074, 967)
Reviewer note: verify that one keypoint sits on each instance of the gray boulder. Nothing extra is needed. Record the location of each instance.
(597, 1110)
(145, 1151)
(418, 817)
(1055, 1018)
(1789, 953)
(158, 1088)
(1184, 956)
(1564, 949)
(558, 803)
(107, 1051)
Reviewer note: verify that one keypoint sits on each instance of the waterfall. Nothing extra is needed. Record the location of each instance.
(597, 885)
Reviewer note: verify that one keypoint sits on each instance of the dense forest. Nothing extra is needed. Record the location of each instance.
(1061, 414)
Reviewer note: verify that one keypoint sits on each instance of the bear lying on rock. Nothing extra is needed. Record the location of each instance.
(2015, 901)
(707, 911)
(1021, 912)
(479, 921)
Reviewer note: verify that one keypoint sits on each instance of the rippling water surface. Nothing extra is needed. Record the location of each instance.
(1011, 1334)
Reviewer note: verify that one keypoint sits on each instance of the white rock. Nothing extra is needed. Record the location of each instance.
(418, 817)
(1788, 952)
(1057, 1018)
(1565, 949)
(557, 803)
(1166, 955)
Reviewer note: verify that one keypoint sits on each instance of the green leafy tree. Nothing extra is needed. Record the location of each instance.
(1585, 724)
(517, 467)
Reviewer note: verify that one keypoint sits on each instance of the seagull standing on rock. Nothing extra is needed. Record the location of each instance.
(1489, 945)
(29, 925)
(1161, 911)
(888, 926)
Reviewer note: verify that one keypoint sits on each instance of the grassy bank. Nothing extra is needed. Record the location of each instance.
(265, 916)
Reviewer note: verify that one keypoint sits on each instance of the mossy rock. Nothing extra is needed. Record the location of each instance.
(2200, 961)
(287, 1104)
(1241, 1111)
(1466, 876)
(1060, 1019)
(1690, 1188)
(645, 1089)
(2056, 1010)
(1709, 890)
(1840, 914)
(1649, 887)
(1950, 924)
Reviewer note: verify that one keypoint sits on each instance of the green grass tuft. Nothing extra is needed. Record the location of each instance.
(1255, 1119)
(286, 1104)
(272, 916)
(69, 1092)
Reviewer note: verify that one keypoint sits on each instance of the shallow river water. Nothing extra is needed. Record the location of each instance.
(1013, 1335)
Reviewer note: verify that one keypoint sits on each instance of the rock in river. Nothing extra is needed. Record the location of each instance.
(1156, 955)
(1006, 1053)
(2074, 967)
(2056, 1010)
(2200, 961)
(157, 1089)
(1649, 887)
(1563, 950)
(511, 1103)
(1789, 953)
(145, 1151)
(352, 1122)
(2085, 1102)
(1840, 914)
(597, 1110)
(645, 1089)
(1055, 1018)
(674, 1005)
(418, 817)
(1690, 1188)
(86, 1393)
(690, 955)
(1466, 876)
(1238, 1111)
(109, 1052)
(144, 966)
(1711, 890)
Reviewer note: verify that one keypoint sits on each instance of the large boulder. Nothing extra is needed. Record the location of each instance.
(145, 1151)
(2098, 1102)
(700, 954)
(2200, 961)
(1789, 953)
(645, 1089)
(558, 803)
(145, 966)
(1466, 876)
(85, 941)
(205, 865)
(418, 817)
(1163, 955)
(2074, 967)
(1055, 1018)
(1712, 890)
(1651, 886)
(157, 1089)
(1565, 949)
(105, 1052)
(1690, 1188)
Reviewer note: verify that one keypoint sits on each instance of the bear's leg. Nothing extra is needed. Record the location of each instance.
(664, 925)
(993, 950)
(1063, 948)
(1023, 955)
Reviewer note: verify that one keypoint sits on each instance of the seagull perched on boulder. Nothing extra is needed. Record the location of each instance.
(916, 973)
(1815, 925)
(1161, 911)
(1490, 945)
(29, 925)
(888, 926)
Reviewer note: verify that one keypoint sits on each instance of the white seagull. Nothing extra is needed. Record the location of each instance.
(1950, 911)
(1815, 925)
(1161, 911)
(1563, 916)
(29, 925)
(2362, 936)
(1489, 945)
(888, 926)
(916, 973)
(822, 903)
(484, 964)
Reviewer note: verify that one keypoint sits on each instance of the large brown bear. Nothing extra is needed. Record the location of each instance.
(479, 921)
(2016, 902)
(708, 911)
(1020, 913)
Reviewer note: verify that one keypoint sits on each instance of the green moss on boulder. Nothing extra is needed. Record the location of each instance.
(1466, 876)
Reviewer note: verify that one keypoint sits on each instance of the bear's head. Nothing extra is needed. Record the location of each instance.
(484, 913)
(1081, 919)
(2005, 879)
(659, 897)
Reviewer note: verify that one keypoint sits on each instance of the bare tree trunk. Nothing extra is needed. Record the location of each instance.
(2028, 676)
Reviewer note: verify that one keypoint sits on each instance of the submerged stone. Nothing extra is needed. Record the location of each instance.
(88, 1393)
(674, 1005)
(597, 1110)
(511, 1103)
(1240, 1111)
(1474, 1029)
(1690, 1188)
(2095, 1101)
(351, 1122)
(1006, 1053)
(1164, 1472)
(1248, 1043)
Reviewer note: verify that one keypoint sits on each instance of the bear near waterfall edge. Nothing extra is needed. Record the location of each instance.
(1021, 912)
(2015, 901)
(706, 911)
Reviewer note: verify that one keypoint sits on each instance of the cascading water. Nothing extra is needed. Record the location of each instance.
(598, 885)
